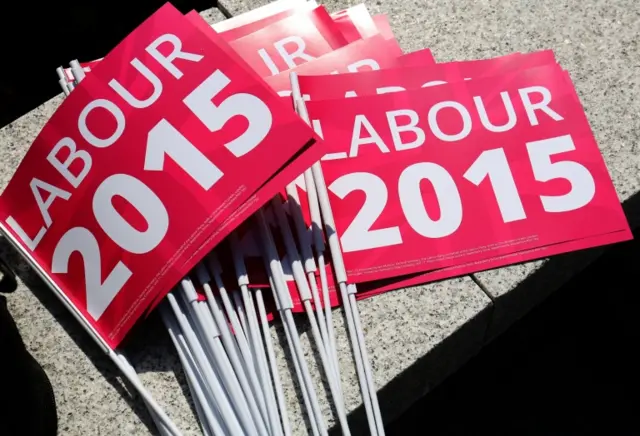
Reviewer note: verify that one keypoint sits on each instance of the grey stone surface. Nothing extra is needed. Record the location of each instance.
(236, 7)
(598, 45)
(415, 337)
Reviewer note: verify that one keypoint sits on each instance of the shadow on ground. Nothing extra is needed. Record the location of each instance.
(568, 368)
(38, 37)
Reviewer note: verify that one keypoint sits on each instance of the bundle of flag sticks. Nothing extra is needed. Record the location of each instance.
(223, 341)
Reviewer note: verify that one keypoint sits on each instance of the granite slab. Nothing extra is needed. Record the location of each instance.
(237, 7)
(415, 337)
(597, 42)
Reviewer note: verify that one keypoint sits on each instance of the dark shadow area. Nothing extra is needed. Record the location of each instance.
(567, 368)
(38, 37)
(99, 359)
(421, 377)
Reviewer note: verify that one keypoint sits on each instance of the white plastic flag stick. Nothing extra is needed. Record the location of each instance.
(241, 365)
(199, 378)
(62, 81)
(204, 309)
(368, 392)
(207, 315)
(205, 312)
(218, 393)
(119, 361)
(324, 283)
(319, 247)
(253, 331)
(267, 374)
(216, 270)
(243, 283)
(200, 335)
(351, 288)
(318, 244)
(306, 401)
(273, 375)
(208, 418)
(305, 295)
(231, 372)
(132, 373)
(324, 318)
(161, 428)
(206, 431)
(203, 327)
(281, 294)
(242, 315)
(146, 396)
(305, 242)
(357, 336)
(77, 71)
(256, 364)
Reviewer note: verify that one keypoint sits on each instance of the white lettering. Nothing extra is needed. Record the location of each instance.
(44, 205)
(387, 89)
(273, 68)
(359, 235)
(290, 56)
(357, 140)
(164, 139)
(433, 83)
(30, 243)
(128, 97)
(543, 105)
(144, 200)
(412, 126)
(484, 117)
(317, 127)
(176, 53)
(249, 106)
(90, 137)
(548, 167)
(99, 293)
(63, 167)
(412, 201)
(356, 66)
(435, 128)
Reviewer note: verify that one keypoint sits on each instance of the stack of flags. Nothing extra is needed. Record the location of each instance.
(289, 161)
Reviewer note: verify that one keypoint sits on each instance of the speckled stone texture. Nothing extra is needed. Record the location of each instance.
(91, 396)
(415, 338)
(598, 44)
(236, 7)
